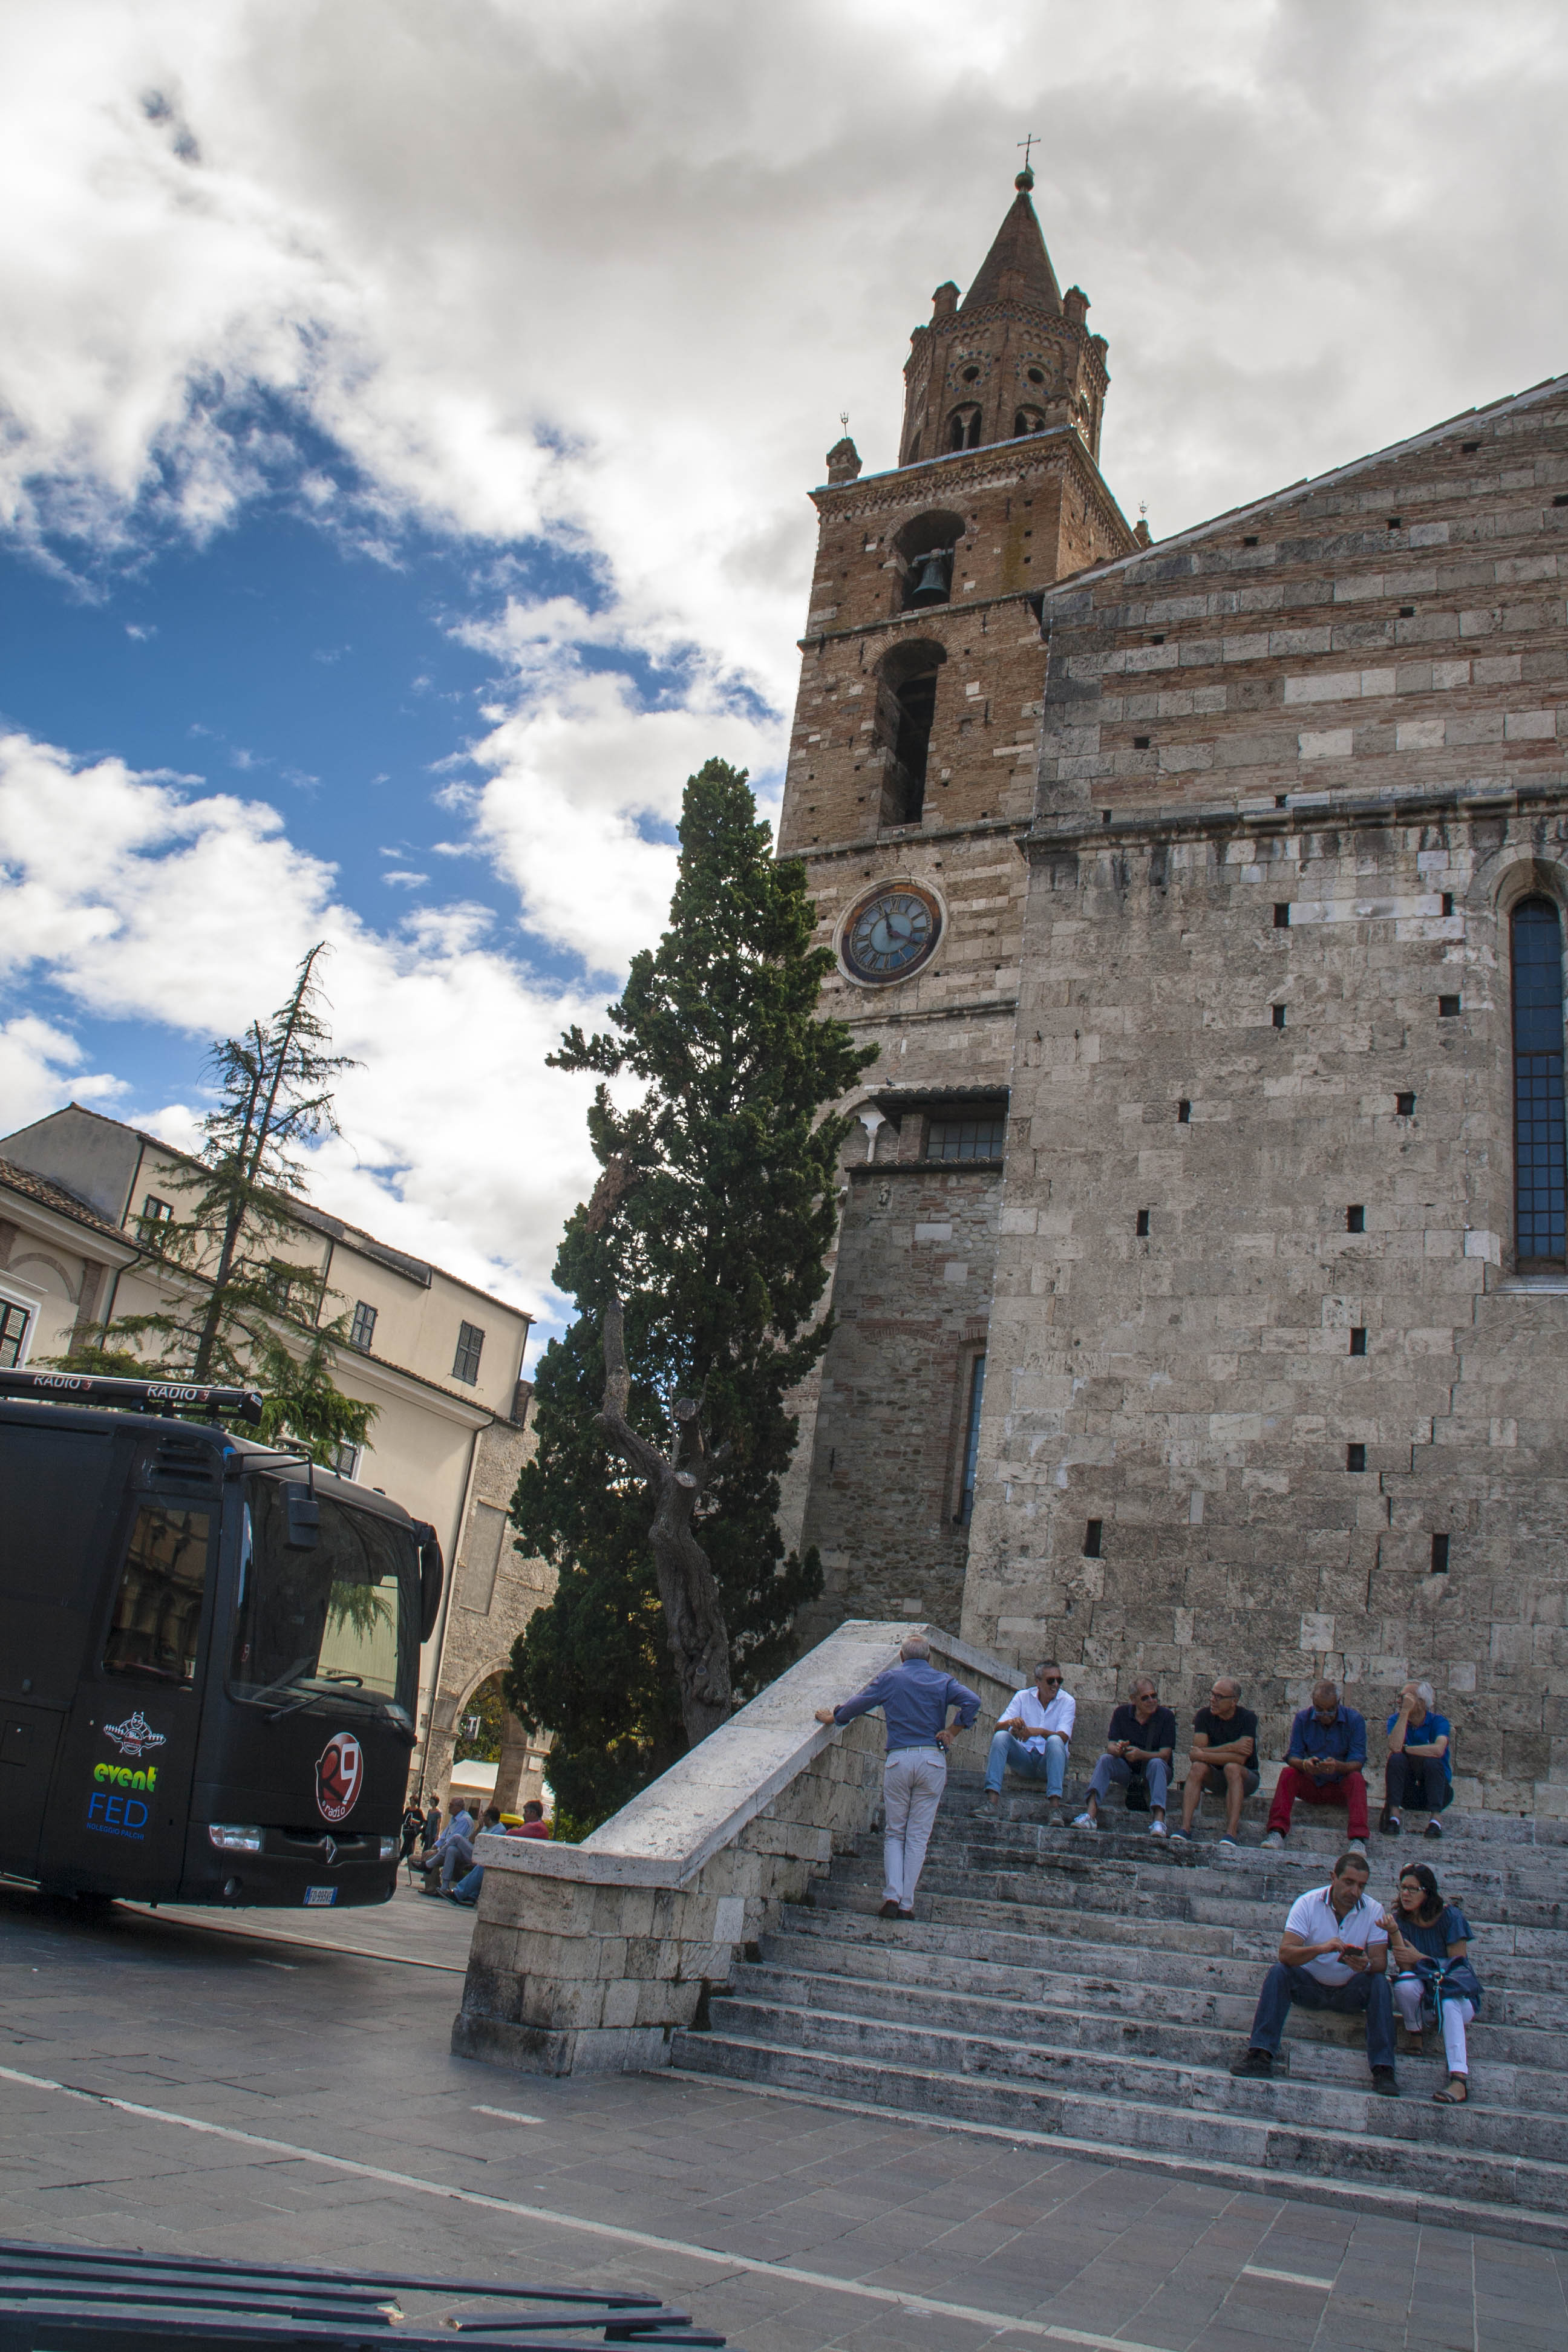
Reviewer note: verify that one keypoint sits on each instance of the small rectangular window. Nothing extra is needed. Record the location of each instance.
(1091, 1536)
(466, 1362)
(1358, 1341)
(1251, 539)
(153, 1632)
(966, 1138)
(1355, 1457)
(1448, 1008)
(1183, 1113)
(1408, 612)
(1281, 914)
(1440, 1555)
(971, 1442)
(345, 1460)
(1448, 904)
(1356, 1220)
(1142, 1225)
(14, 1322)
(1140, 743)
(154, 1220)
(1279, 1012)
(361, 1329)
(1405, 1106)
(1396, 522)
(1468, 448)
(1561, 500)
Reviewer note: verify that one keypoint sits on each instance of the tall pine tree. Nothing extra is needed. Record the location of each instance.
(710, 1229)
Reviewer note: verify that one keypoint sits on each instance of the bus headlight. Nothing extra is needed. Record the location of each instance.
(388, 1848)
(235, 1837)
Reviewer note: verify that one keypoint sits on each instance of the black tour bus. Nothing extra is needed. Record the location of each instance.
(209, 1653)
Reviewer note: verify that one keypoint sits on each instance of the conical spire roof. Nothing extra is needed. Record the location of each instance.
(1017, 269)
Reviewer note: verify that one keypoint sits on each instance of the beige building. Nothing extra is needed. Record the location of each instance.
(1201, 1295)
(441, 1361)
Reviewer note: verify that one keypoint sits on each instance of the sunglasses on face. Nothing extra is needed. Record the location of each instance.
(1050, 1679)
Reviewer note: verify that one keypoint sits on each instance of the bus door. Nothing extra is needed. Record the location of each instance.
(117, 1822)
(58, 1496)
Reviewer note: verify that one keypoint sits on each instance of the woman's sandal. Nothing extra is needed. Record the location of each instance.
(1450, 2098)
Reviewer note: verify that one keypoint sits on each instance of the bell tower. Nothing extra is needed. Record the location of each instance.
(909, 786)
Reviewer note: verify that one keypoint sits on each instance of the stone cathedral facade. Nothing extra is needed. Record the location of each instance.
(1201, 1295)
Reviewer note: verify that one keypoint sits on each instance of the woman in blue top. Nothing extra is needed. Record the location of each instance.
(1428, 1942)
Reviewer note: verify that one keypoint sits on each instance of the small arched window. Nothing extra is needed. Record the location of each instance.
(1539, 1156)
(964, 429)
(1028, 420)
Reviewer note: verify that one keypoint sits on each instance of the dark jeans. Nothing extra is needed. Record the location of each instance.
(1282, 1986)
(1417, 1780)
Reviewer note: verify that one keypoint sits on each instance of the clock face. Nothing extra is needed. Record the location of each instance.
(891, 933)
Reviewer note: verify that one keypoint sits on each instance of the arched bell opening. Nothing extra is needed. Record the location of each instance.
(925, 552)
(906, 713)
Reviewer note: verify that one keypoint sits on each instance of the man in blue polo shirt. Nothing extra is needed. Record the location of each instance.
(914, 1697)
(1323, 1765)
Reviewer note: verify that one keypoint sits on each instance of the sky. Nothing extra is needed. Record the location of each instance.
(406, 418)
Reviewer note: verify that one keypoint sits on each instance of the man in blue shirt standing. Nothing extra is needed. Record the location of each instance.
(914, 1697)
(1420, 1767)
(1323, 1765)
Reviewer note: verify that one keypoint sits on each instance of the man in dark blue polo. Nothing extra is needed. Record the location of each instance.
(1323, 1766)
(914, 1697)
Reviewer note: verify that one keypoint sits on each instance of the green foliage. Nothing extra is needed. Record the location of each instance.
(240, 1311)
(713, 1224)
(486, 1708)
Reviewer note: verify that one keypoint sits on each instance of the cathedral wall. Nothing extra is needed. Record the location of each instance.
(1360, 720)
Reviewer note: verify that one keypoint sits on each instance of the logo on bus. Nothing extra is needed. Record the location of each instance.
(340, 1774)
(135, 1735)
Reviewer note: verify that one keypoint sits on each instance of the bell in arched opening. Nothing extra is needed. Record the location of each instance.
(931, 577)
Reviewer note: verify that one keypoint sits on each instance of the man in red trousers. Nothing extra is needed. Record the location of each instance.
(1324, 1765)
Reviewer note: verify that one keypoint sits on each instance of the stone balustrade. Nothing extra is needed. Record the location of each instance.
(587, 1958)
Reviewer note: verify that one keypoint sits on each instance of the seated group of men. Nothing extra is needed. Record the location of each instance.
(449, 1863)
(1325, 1756)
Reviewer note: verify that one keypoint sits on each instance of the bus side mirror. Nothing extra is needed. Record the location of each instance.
(304, 1518)
(431, 1573)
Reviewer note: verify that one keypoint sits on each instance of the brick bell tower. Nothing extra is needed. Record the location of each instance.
(909, 785)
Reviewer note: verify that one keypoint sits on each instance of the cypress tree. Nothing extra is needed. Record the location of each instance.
(705, 1245)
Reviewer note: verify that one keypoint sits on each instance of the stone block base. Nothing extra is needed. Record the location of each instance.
(551, 2050)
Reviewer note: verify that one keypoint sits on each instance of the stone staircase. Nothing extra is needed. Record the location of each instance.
(1091, 1990)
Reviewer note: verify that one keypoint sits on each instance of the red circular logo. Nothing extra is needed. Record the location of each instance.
(340, 1773)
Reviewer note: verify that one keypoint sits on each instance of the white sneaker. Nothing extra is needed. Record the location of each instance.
(1357, 1846)
(1084, 1822)
(1227, 1845)
(1274, 1839)
(1156, 1829)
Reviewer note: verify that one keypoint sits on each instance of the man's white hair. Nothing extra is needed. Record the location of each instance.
(915, 1645)
(1426, 1695)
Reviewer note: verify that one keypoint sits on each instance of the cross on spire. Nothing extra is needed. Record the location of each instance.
(1025, 144)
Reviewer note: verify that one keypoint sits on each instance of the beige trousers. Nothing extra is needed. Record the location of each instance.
(912, 1781)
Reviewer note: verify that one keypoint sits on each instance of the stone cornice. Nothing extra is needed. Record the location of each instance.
(884, 844)
(991, 468)
(923, 613)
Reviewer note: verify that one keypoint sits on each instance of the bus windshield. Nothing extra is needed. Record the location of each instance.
(339, 1619)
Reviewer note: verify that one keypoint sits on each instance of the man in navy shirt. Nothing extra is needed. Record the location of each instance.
(1420, 1767)
(914, 1697)
(1141, 1742)
(1324, 1766)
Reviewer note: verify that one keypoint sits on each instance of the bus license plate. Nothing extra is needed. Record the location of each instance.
(321, 1893)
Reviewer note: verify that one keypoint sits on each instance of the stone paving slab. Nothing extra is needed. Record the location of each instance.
(345, 2133)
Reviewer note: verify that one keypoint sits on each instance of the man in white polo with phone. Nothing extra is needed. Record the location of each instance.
(1333, 1954)
(1033, 1737)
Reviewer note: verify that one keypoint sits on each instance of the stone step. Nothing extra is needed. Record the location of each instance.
(1111, 1941)
(1274, 2152)
(1019, 1845)
(1320, 2104)
(1516, 1924)
(857, 1974)
(1027, 1800)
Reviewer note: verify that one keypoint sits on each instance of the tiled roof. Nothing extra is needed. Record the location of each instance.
(55, 1196)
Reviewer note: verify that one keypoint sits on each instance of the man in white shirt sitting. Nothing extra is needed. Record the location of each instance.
(1033, 1737)
(1333, 1954)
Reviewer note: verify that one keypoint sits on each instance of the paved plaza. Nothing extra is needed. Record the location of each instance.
(247, 2087)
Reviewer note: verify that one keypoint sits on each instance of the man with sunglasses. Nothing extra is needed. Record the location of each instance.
(1033, 1737)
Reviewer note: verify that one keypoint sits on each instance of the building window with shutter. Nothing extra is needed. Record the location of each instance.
(465, 1363)
(361, 1329)
(14, 1322)
(1539, 1160)
(966, 1138)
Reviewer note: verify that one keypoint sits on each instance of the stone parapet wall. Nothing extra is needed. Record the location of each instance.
(587, 1958)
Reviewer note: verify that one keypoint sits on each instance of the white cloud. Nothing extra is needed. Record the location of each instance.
(143, 903)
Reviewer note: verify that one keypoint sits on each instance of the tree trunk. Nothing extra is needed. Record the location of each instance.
(699, 1637)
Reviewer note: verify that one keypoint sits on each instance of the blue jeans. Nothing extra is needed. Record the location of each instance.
(1112, 1768)
(1009, 1754)
(466, 1889)
(1282, 1986)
